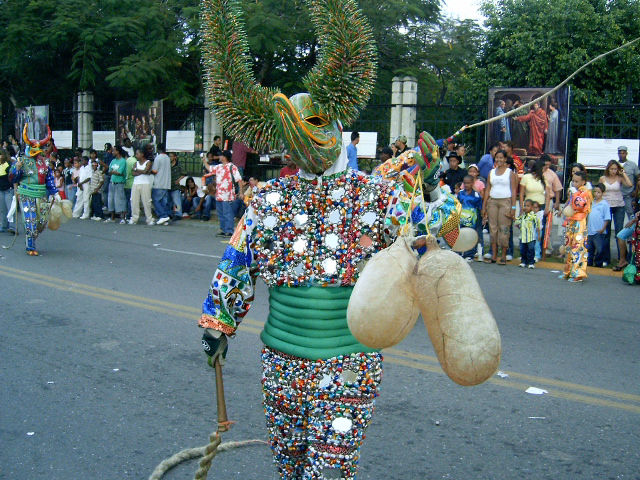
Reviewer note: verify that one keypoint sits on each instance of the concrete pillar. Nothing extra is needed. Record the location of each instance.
(404, 97)
(85, 120)
(212, 126)
(409, 101)
(396, 109)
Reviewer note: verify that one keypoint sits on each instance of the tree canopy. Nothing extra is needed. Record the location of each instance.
(149, 49)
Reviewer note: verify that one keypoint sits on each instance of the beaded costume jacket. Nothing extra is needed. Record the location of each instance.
(318, 232)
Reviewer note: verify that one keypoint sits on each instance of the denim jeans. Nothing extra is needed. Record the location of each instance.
(160, 198)
(71, 194)
(96, 205)
(617, 221)
(6, 196)
(127, 198)
(596, 248)
(176, 201)
(527, 251)
(225, 215)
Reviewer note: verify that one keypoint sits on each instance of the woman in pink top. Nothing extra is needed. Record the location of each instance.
(614, 178)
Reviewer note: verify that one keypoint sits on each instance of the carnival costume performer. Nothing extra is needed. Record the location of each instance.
(577, 210)
(308, 235)
(37, 184)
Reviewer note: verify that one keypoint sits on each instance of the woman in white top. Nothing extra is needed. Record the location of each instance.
(613, 179)
(499, 205)
(141, 189)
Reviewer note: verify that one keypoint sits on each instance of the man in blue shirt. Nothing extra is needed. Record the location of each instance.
(485, 165)
(352, 151)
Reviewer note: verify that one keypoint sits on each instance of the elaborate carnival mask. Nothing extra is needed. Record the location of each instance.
(33, 148)
(307, 123)
(314, 140)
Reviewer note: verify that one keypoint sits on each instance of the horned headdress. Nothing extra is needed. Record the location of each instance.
(309, 123)
(34, 147)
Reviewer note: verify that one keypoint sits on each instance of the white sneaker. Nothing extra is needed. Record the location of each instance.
(151, 223)
(487, 255)
(522, 265)
(84, 217)
(97, 219)
(531, 266)
(108, 220)
(469, 259)
(163, 220)
(131, 222)
(604, 264)
(509, 258)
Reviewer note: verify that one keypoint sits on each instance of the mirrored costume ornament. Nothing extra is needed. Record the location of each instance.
(307, 236)
(36, 185)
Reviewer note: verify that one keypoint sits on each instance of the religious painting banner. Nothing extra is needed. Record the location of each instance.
(140, 125)
(532, 131)
(37, 117)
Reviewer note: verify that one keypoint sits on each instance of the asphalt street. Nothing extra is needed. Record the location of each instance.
(103, 375)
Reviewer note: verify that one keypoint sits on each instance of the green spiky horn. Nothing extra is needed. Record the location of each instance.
(340, 83)
(345, 75)
(244, 107)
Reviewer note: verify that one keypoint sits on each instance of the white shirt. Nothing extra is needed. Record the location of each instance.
(85, 173)
(142, 179)
(500, 184)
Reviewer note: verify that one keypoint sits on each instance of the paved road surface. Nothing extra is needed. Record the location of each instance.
(101, 361)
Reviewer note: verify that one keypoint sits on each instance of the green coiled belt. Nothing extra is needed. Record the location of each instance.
(310, 322)
(32, 190)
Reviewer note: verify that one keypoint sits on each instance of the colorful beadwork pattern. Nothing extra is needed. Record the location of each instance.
(317, 411)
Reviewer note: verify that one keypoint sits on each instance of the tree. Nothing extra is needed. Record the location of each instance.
(450, 53)
(140, 48)
(541, 42)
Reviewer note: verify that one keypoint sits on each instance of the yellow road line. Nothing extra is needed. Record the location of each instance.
(530, 378)
(523, 386)
(392, 355)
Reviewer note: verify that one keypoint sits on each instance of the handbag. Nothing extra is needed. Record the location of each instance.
(629, 274)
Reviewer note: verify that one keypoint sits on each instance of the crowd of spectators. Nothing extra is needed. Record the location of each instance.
(501, 192)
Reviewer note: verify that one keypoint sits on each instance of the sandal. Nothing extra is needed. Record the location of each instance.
(619, 268)
(502, 262)
(489, 260)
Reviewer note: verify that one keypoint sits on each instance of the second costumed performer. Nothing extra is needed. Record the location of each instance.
(308, 236)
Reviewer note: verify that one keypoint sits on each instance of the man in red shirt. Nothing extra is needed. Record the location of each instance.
(239, 156)
(289, 170)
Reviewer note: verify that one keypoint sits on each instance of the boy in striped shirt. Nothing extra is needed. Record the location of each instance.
(529, 225)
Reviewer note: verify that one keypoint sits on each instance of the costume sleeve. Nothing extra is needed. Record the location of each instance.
(50, 182)
(232, 287)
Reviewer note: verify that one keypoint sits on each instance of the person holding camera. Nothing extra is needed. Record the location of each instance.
(614, 179)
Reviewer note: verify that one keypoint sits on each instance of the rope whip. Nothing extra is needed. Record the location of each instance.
(208, 452)
(555, 89)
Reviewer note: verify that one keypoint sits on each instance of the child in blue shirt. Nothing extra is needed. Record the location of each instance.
(470, 214)
(597, 225)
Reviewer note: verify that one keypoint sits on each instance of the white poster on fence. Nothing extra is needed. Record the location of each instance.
(100, 137)
(181, 140)
(594, 153)
(63, 138)
(366, 147)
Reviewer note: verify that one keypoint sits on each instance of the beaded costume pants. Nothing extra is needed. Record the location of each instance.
(35, 212)
(317, 412)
